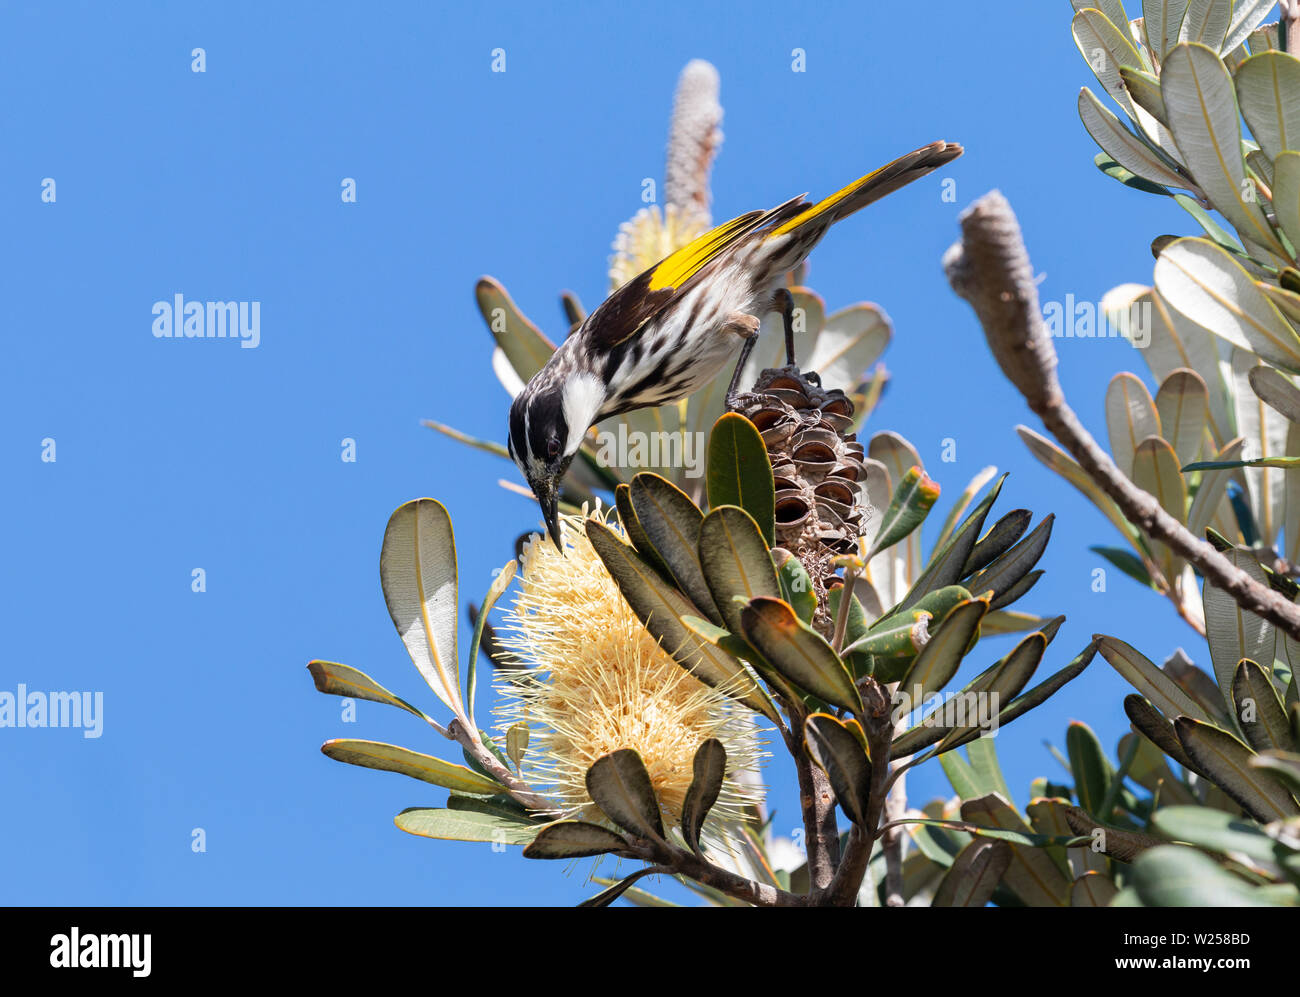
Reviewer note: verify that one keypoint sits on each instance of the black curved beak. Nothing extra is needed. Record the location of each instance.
(549, 500)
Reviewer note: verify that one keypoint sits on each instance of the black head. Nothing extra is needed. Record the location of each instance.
(539, 439)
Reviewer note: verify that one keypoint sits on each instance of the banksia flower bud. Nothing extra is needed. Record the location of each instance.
(816, 465)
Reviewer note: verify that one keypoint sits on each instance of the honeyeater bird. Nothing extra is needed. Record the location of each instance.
(671, 329)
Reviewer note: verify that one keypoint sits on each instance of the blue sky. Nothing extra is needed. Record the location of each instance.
(176, 455)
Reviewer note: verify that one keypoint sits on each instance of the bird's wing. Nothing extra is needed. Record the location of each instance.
(628, 309)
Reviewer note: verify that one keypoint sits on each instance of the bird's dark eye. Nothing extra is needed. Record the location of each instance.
(553, 447)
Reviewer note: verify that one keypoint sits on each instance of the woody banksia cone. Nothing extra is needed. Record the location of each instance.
(816, 467)
(593, 681)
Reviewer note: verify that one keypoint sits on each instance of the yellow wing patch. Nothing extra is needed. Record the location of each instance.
(824, 205)
(680, 266)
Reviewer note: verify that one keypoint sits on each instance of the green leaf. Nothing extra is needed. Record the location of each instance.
(344, 680)
(464, 825)
(672, 522)
(573, 839)
(938, 661)
(1232, 632)
(798, 652)
(1092, 889)
(1275, 389)
(1227, 761)
(946, 565)
(892, 643)
(973, 488)
(498, 587)
(1206, 124)
(1056, 459)
(517, 742)
(796, 585)
(739, 472)
(836, 748)
(1040, 693)
(417, 568)
(1282, 765)
(635, 532)
(618, 889)
(1130, 418)
(1156, 729)
(974, 875)
(736, 562)
(1286, 202)
(709, 768)
(1174, 876)
(1266, 87)
(523, 344)
(1183, 404)
(1092, 772)
(619, 784)
(1001, 537)
(1127, 562)
(1215, 830)
(1259, 711)
(999, 683)
(1141, 673)
(1010, 568)
(1094, 34)
(1144, 89)
(912, 501)
(487, 446)
(662, 609)
(1133, 153)
(1204, 283)
(391, 758)
(1032, 874)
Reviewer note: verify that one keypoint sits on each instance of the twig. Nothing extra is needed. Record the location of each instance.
(680, 862)
(989, 267)
(515, 786)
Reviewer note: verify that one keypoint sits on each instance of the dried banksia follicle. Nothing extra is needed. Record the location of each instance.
(593, 680)
(817, 465)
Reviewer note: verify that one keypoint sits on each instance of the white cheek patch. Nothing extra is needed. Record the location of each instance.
(583, 396)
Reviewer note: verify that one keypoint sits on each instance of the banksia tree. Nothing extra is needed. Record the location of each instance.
(1195, 478)
(779, 605)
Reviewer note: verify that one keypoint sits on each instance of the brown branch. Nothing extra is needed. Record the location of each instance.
(680, 862)
(989, 267)
(817, 805)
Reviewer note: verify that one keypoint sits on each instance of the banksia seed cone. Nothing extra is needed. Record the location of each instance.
(816, 465)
